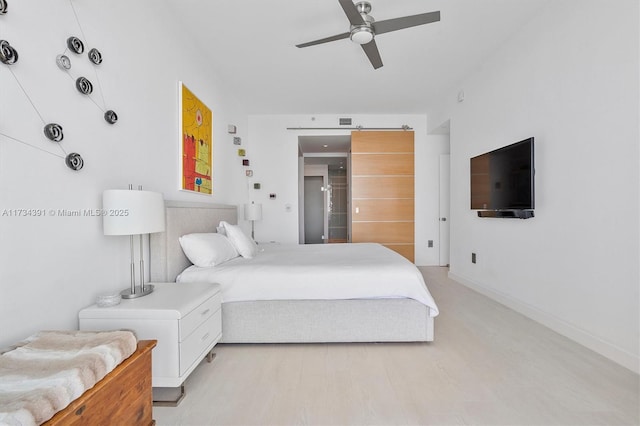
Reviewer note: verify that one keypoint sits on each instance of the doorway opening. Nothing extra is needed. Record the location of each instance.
(314, 209)
(325, 215)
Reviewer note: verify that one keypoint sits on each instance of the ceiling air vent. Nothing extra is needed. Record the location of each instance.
(345, 122)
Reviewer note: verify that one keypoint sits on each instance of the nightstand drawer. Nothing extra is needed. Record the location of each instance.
(195, 318)
(197, 343)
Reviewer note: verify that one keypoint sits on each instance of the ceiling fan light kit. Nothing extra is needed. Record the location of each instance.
(364, 28)
(361, 35)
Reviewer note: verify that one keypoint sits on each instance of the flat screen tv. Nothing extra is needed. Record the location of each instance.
(502, 181)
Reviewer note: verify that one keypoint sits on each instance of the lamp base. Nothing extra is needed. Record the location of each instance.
(127, 294)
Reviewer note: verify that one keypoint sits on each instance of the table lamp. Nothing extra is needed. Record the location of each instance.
(131, 212)
(252, 212)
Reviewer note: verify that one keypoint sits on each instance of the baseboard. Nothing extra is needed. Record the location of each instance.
(606, 349)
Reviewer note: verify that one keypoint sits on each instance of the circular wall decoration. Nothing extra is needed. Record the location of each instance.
(95, 56)
(8, 55)
(53, 132)
(111, 117)
(74, 161)
(84, 86)
(63, 61)
(75, 44)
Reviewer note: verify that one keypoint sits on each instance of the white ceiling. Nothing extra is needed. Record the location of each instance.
(251, 44)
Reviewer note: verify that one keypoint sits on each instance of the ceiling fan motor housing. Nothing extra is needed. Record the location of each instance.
(363, 34)
(363, 7)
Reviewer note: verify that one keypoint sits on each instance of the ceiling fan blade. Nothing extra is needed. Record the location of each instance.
(395, 24)
(371, 49)
(324, 40)
(351, 11)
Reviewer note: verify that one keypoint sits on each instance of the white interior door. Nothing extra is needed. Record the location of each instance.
(445, 178)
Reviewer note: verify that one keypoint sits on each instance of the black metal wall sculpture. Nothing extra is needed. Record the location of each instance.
(8, 55)
(111, 117)
(74, 161)
(95, 56)
(75, 45)
(53, 131)
(84, 86)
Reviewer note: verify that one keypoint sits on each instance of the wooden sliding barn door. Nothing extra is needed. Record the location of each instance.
(382, 189)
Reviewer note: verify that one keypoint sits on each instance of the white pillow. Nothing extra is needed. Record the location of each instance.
(245, 245)
(207, 249)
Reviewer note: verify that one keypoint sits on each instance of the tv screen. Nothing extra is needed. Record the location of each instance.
(503, 179)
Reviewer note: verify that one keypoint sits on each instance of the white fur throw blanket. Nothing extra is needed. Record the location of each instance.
(43, 374)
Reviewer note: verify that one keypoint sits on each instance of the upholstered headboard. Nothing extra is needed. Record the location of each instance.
(167, 260)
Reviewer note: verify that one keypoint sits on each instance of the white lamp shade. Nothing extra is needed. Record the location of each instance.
(132, 212)
(253, 211)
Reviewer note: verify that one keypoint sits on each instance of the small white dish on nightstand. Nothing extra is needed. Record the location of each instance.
(108, 299)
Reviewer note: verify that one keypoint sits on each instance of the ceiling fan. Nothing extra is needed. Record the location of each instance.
(364, 28)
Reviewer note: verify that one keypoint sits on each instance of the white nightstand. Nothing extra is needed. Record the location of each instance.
(185, 319)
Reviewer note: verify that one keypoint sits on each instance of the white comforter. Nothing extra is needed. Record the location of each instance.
(316, 271)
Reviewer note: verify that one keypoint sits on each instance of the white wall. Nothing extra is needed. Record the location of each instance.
(570, 79)
(276, 168)
(51, 267)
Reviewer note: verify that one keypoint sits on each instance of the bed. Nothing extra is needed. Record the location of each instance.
(284, 315)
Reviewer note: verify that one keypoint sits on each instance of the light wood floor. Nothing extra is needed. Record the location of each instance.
(488, 365)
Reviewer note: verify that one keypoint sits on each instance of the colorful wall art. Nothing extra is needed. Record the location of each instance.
(196, 128)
